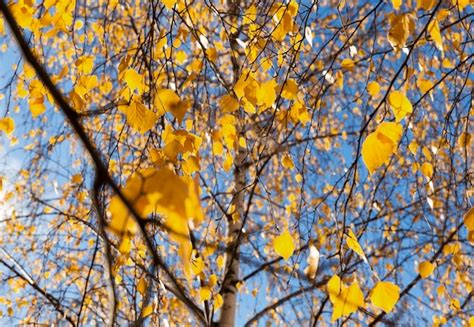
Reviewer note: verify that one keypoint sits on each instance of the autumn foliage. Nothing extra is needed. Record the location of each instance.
(234, 162)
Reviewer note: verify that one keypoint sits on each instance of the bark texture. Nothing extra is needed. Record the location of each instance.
(229, 290)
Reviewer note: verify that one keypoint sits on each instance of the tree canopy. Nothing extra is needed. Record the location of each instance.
(236, 162)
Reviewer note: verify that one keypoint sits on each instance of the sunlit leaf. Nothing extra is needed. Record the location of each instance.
(400, 105)
(167, 100)
(347, 63)
(228, 103)
(204, 293)
(385, 295)
(425, 269)
(354, 245)
(401, 27)
(379, 146)
(345, 300)
(284, 245)
(133, 80)
(287, 162)
(396, 4)
(7, 125)
(218, 302)
(139, 117)
(142, 286)
(433, 29)
(373, 88)
(427, 170)
(469, 219)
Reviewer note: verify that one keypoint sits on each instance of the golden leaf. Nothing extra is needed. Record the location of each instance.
(167, 100)
(385, 295)
(373, 88)
(284, 245)
(379, 146)
(7, 125)
(401, 27)
(425, 269)
(400, 105)
(138, 116)
(354, 245)
(345, 300)
(469, 219)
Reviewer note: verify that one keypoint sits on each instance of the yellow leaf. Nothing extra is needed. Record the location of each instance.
(121, 221)
(424, 85)
(354, 245)
(345, 300)
(205, 293)
(425, 269)
(293, 8)
(212, 280)
(464, 140)
(218, 301)
(425, 4)
(290, 90)
(241, 84)
(426, 152)
(461, 5)
(379, 146)
(299, 113)
(455, 305)
(287, 162)
(76, 179)
(190, 165)
(220, 262)
(139, 117)
(400, 105)
(169, 3)
(197, 265)
(347, 64)
(373, 88)
(248, 106)
(85, 64)
(7, 125)
(434, 31)
(142, 286)
(167, 100)
(228, 162)
(29, 71)
(427, 170)
(469, 219)
(37, 106)
(174, 197)
(401, 27)
(266, 94)
(228, 103)
(284, 245)
(24, 14)
(385, 295)
(148, 310)
(125, 245)
(413, 147)
(285, 25)
(133, 80)
(396, 4)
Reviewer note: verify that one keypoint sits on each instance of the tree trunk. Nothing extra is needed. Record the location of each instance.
(229, 288)
(231, 277)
